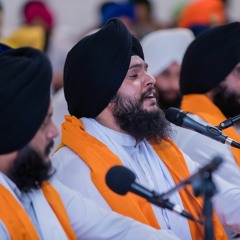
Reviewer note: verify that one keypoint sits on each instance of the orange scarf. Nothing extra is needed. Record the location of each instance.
(100, 159)
(18, 223)
(202, 106)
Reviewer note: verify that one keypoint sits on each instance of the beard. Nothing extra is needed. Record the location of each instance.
(165, 103)
(138, 122)
(30, 170)
(227, 102)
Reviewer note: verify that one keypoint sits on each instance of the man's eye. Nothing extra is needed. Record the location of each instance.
(133, 76)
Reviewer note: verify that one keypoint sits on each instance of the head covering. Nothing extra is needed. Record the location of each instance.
(112, 9)
(162, 47)
(26, 36)
(96, 67)
(203, 12)
(24, 96)
(210, 58)
(197, 29)
(4, 48)
(37, 9)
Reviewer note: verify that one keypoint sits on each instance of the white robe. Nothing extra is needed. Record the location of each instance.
(202, 149)
(72, 171)
(38, 208)
(140, 158)
(88, 221)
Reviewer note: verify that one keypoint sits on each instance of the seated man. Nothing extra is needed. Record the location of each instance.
(116, 121)
(33, 204)
(210, 84)
(163, 51)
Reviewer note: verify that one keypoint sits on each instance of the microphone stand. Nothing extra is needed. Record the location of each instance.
(226, 124)
(205, 186)
(229, 122)
(202, 185)
(158, 200)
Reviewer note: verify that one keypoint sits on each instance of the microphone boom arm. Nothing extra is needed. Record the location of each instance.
(213, 165)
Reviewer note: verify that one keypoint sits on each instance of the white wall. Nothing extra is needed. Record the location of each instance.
(78, 15)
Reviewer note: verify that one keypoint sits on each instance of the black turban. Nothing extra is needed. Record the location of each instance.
(4, 48)
(210, 58)
(96, 67)
(25, 78)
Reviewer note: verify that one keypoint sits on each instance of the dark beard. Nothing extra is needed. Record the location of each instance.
(139, 123)
(228, 103)
(29, 170)
(164, 103)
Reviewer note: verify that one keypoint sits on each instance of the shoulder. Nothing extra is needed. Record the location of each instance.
(63, 155)
(67, 162)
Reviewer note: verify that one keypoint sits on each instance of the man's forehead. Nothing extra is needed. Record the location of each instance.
(136, 61)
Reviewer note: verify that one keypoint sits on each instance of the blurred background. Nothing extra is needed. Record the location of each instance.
(78, 16)
(54, 26)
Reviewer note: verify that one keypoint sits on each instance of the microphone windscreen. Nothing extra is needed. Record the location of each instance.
(175, 115)
(119, 179)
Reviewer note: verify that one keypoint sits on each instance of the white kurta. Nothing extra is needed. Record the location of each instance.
(150, 171)
(88, 220)
(202, 149)
(140, 158)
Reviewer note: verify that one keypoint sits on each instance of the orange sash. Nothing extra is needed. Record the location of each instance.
(58, 208)
(18, 223)
(100, 159)
(202, 106)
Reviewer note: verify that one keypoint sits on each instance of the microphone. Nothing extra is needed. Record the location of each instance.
(121, 180)
(181, 119)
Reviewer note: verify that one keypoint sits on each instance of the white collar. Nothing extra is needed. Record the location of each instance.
(122, 138)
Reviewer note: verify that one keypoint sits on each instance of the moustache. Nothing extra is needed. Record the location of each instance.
(150, 91)
(48, 148)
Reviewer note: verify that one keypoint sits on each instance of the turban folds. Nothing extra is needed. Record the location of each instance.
(96, 67)
(24, 96)
(210, 58)
(4, 48)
